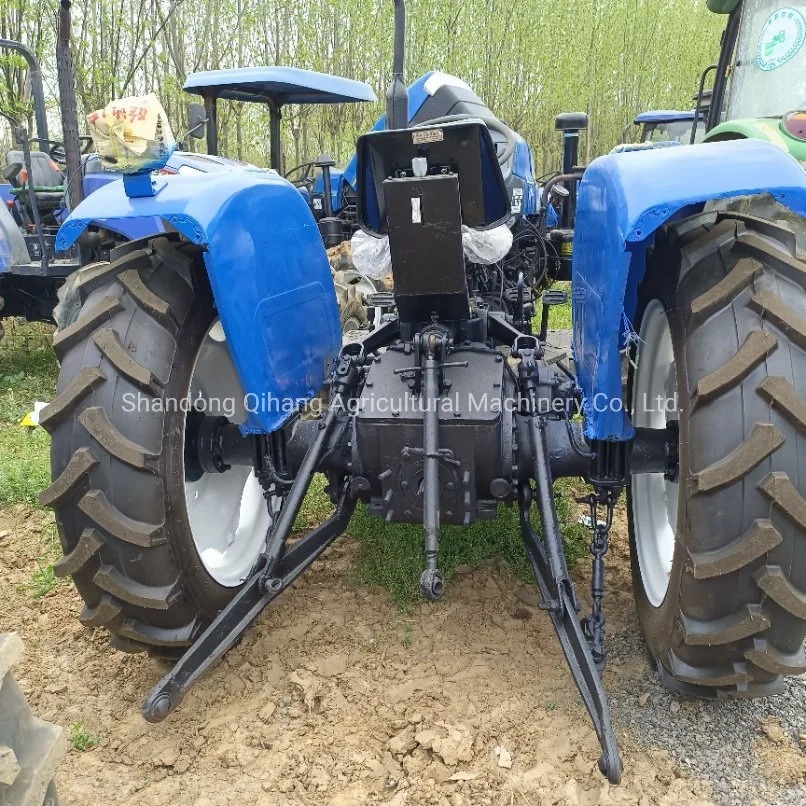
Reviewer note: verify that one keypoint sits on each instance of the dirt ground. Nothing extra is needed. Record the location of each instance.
(336, 698)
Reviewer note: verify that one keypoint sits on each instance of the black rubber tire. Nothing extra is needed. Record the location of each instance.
(734, 617)
(352, 309)
(30, 748)
(118, 479)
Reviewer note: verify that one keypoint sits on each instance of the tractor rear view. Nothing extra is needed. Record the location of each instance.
(181, 456)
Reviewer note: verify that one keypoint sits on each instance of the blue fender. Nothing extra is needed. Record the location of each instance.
(623, 200)
(130, 229)
(268, 270)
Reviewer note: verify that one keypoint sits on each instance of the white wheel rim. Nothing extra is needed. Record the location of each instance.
(654, 499)
(227, 511)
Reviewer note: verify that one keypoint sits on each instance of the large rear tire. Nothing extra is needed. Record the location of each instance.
(141, 538)
(720, 577)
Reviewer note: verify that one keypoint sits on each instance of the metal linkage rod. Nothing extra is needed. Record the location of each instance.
(233, 621)
(432, 583)
(547, 557)
(275, 569)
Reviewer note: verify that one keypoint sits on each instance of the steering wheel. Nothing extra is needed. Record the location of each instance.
(305, 170)
(58, 154)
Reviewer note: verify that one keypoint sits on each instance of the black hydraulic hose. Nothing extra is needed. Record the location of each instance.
(575, 176)
(37, 89)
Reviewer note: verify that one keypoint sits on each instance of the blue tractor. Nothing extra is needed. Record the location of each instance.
(181, 456)
(666, 125)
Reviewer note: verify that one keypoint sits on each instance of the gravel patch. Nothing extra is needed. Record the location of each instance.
(713, 740)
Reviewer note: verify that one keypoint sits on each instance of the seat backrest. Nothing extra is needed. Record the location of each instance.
(46, 173)
(463, 147)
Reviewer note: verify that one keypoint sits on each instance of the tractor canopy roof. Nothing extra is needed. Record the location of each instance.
(664, 116)
(282, 85)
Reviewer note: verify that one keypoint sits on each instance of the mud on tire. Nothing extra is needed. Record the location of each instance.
(118, 483)
(733, 620)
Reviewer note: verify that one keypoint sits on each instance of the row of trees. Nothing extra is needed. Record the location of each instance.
(528, 59)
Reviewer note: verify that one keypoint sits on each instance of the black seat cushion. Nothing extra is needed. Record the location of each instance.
(46, 173)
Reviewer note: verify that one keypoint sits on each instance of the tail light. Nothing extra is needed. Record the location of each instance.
(166, 171)
(794, 124)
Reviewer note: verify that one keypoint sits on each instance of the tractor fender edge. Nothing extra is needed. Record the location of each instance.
(268, 270)
(623, 200)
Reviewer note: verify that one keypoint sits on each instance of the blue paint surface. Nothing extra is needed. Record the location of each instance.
(268, 271)
(524, 168)
(289, 84)
(665, 116)
(623, 200)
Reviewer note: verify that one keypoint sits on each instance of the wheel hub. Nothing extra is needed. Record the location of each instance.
(226, 508)
(654, 495)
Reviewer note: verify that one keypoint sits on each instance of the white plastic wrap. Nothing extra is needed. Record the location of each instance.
(486, 246)
(371, 255)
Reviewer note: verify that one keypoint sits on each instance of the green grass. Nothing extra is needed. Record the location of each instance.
(28, 369)
(28, 373)
(407, 629)
(81, 738)
(48, 550)
(24, 464)
(560, 315)
(392, 555)
(43, 582)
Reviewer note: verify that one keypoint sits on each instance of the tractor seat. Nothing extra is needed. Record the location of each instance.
(48, 180)
(451, 101)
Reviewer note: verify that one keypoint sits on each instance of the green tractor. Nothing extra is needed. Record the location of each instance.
(760, 80)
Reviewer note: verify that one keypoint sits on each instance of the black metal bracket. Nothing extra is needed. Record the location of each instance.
(276, 568)
(265, 585)
(547, 557)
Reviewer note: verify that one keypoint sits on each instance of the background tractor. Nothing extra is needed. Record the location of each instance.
(184, 440)
(34, 199)
(665, 125)
(759, 87)
(40, 187)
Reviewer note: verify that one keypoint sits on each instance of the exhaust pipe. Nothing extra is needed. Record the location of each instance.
(397, 96)
(37, 90)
